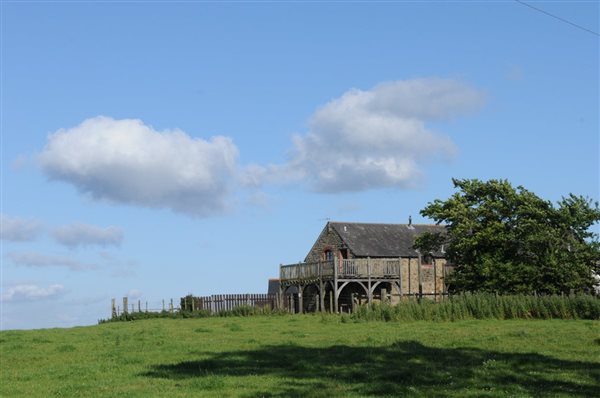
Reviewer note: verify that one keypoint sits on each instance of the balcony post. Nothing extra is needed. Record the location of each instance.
(335, 283)
(369, 296)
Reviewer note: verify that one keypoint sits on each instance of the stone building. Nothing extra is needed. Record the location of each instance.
(353, 263)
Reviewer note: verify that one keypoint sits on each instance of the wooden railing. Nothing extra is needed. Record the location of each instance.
(347, 268)
(311, 270)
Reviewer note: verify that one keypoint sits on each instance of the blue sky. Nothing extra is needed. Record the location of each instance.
(159, 149)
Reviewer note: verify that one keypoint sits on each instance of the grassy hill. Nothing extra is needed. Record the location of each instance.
(304, 356)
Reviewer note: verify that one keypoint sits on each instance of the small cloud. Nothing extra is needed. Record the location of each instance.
(347, 208)
(17, 229)
(76, 235)
(514, 72)
(29, 292)
(38, 260)
(127, 161)
(134, 294)
(21, 162)
(259, 199)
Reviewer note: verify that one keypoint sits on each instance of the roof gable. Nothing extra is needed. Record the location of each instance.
(383, 240)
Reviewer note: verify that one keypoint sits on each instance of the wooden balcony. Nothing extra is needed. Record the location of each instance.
(359, 268)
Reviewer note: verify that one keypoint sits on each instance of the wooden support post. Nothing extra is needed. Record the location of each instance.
(331, 301)
(335, 283)
(400, 273)
(317, 302)
(193, 304)
(322, 296)
(113, 308)
(353, 299)
(300, 299)
(292, 304)
(383, 295)
(125, 305)
(370, 293)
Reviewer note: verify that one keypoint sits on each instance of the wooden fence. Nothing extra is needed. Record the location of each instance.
(214, 304)
(225, 302)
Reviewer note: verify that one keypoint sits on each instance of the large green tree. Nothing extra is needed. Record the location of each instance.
(508, 240)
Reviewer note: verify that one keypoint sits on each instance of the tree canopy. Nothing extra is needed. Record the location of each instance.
(508, 240)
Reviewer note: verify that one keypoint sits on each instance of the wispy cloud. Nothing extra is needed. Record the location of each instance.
(30, 292)
(373, 139)
(39, 260)
(75, 235)
(127, 161)
(19, 229)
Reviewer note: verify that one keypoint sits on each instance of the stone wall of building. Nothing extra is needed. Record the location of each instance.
(329, 239)
(410, 276)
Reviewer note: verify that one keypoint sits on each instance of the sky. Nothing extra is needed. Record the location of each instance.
(156, 149)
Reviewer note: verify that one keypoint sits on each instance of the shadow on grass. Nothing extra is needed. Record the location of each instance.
(403, 368)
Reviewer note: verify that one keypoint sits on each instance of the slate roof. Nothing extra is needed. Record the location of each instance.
(383, 240)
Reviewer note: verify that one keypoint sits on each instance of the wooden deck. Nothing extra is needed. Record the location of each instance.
(360, 268)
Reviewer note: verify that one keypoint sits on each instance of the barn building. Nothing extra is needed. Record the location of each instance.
(355, 263)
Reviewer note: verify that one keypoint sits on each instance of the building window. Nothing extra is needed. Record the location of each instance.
(328, 255)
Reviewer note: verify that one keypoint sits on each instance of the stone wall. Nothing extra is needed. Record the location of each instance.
(329, 239)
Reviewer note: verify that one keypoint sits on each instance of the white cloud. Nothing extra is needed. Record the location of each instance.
(18, 229)
(38, 260)
(127, 161)
(28, 292)
(134, 294)
(75, 235)
(375, 138)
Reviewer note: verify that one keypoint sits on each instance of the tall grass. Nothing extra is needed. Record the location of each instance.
(484, 306)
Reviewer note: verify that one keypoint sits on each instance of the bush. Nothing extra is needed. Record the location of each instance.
(484, 306)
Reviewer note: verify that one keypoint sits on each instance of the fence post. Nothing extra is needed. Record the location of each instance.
(146, 307)
(171, 306)
(139, 306)
(125, 305)
(163, 304)
(113, 308)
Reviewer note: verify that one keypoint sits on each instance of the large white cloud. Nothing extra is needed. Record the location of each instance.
(78, 234)
(129, 162)
(18, 229)
(374, 138)
(30, 292)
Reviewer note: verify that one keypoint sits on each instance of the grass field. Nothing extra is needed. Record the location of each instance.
(320, 356)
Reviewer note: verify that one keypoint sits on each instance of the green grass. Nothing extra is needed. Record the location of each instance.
(308, 355)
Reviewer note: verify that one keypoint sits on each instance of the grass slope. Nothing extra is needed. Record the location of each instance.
(304, 356)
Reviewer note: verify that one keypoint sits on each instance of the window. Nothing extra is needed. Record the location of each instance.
(328, 255)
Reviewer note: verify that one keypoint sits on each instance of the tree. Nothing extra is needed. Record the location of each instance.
(508, 240)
